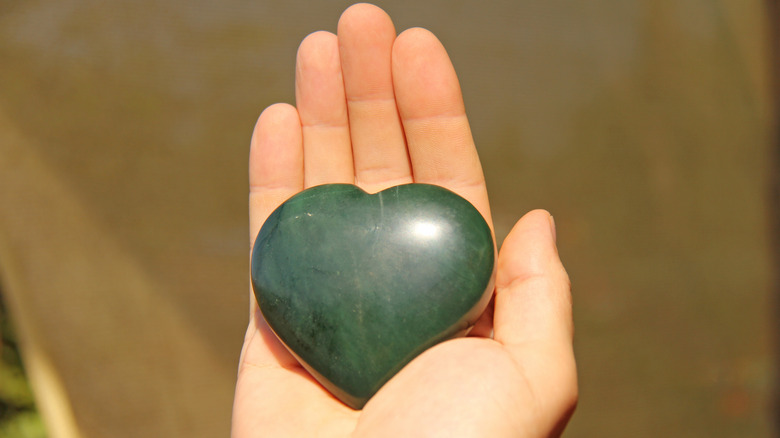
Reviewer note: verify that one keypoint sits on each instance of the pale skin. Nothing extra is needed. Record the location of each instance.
(377, 110)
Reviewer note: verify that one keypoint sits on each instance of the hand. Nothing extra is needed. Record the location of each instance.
(378, 111)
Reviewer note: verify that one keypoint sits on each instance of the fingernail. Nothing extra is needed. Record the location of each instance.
(552, 229)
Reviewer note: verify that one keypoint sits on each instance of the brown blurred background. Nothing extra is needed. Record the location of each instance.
(645, 126)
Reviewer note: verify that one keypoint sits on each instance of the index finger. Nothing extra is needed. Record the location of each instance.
(533, 313)
(430, 103)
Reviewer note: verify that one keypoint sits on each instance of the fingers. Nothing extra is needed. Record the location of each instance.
(533, 302)
(365, 37)
(533, 310)
(275, 166)
(275, 163)
(319, 95)
(275, 174)
(437, 131)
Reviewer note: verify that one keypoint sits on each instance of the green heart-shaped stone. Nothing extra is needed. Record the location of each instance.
(357, 285)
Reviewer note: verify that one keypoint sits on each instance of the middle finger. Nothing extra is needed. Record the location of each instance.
(366, 36)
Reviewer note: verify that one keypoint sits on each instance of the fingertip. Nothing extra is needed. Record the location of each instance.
(529, 249)
(424, 78)
(316, 38)
(533, 298)
(276, 113)
(277, 133)
(317, 48)
(416, 37)
(417, 49)
(538, 214)
(358, 13)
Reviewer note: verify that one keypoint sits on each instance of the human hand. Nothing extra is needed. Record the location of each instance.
(377, 111)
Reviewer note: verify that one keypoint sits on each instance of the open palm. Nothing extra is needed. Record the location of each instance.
(378, 110)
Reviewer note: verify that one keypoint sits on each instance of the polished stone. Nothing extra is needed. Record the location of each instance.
(356, 285)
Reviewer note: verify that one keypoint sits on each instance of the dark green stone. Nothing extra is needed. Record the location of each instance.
(357, 285)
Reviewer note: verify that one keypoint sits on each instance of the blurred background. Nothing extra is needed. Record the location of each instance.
(645, 126)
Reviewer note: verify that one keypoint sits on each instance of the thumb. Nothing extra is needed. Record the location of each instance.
(533, 311)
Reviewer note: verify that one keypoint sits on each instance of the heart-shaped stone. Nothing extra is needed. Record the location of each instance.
(356, 285)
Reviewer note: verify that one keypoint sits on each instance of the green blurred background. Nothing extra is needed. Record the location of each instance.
(645, 126)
